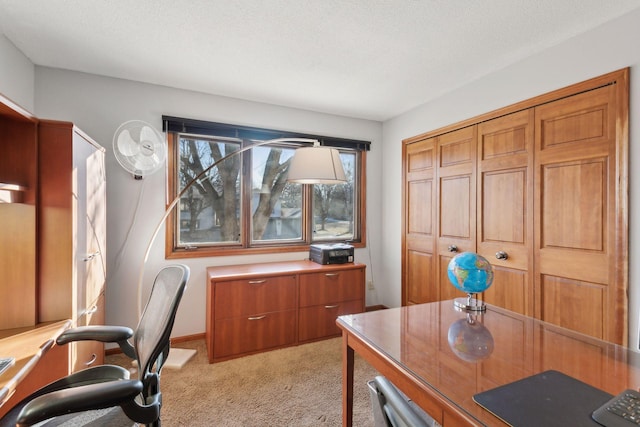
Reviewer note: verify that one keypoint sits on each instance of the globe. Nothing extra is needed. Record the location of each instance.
(470, 272)
(470, 341)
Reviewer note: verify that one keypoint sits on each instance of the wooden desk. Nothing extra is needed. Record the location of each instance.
(28, 348)
(417, 348)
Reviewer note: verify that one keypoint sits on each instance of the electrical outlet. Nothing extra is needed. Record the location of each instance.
(370, 285)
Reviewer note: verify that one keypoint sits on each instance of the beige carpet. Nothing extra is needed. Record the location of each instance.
(295, 386)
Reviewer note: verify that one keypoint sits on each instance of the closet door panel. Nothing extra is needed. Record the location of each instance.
(575, 218)
(505, 203)
(456, 192)
(456, 201)
(573, 304)
(419, 224)
(509, 288)
(419, 220)
(420, 278)
(455, 207)
(581, 185)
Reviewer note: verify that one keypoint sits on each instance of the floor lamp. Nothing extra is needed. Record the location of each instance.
(313, 164)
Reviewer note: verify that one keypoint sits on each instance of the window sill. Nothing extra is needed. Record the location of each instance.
(235, 251)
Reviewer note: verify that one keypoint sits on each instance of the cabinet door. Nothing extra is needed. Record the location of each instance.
(456, 202)
(18, 265)
(56, 223)
(418, 222)
(89, 204)
(576, 278)
(18, 240)
(505, 206)
(85, 354)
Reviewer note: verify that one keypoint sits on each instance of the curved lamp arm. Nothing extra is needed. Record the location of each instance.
(175, 201)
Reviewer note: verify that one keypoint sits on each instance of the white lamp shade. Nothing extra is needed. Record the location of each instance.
(316, 165)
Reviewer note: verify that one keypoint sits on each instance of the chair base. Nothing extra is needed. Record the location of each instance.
(178, 357)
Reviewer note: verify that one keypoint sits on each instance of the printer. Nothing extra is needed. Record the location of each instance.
(339, 253)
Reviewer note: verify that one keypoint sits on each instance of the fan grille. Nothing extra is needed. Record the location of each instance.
(139, 148)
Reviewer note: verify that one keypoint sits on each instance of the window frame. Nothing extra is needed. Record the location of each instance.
(246, 245)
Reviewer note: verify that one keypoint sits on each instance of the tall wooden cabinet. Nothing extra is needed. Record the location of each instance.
(72, 219)
(52, 237)
(18, 192)
(538, 188)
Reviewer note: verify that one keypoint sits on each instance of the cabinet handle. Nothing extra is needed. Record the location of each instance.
(92, 310)
(257, 282)
(332, 274)
(331, 306)
(258, 317)
(92, 361)
(452, 248)
(502, 255)
(91, 256)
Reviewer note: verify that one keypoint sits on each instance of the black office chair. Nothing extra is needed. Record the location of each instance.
(391, 408)
(105, 395)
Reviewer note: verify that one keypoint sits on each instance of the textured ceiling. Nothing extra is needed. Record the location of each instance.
(371, 59)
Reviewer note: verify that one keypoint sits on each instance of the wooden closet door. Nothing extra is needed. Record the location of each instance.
(419, 203)
(456, 202)
(576, 282)
(505, 208)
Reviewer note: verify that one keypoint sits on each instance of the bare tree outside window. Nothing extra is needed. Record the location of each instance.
(211, 206)
(277, 213)
(333, 205)
(246, 201)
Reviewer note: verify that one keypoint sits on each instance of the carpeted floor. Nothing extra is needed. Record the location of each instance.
(295, 386)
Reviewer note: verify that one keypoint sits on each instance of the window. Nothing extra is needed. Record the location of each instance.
(244, 203)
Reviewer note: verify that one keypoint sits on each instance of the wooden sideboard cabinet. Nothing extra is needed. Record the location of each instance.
(257, 307)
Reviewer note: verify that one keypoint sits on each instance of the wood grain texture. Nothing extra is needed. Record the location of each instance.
(18, 169)
(256, 307)
(547, 184)
(417, 348)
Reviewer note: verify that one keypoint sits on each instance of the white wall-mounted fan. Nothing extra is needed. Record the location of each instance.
(139, 148)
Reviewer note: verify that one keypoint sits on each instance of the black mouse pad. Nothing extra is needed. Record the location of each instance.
(549, 399)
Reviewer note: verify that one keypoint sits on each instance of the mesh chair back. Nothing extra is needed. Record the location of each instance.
(151, 339)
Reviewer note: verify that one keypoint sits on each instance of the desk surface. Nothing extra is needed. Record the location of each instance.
(27, 348)
(439, 359)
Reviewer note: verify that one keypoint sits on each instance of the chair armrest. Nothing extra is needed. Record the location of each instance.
(78, 399)
(95, 333)
(102, 333)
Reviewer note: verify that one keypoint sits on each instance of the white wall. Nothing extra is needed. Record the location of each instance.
(604, 49)
(16, 75)
(98, 105)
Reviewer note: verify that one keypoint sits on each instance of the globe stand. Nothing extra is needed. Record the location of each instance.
(470, 304)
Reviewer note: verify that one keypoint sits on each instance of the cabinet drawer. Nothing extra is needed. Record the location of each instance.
(254, 296)
(254, 333)
(331, 287)
(320, 321)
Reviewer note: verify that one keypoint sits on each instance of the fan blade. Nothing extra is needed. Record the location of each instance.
(144, 163)
(147, 133)
(127, 145)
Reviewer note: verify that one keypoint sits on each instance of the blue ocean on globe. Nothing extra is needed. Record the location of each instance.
(470, 341)
(470, 272)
